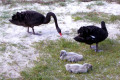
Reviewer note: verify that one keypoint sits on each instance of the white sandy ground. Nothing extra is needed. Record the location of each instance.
(15, 59)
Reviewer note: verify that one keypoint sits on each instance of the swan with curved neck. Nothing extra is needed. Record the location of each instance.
(33, 18)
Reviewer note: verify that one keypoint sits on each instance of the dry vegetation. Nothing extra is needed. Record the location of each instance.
(118, 1)
(48, 1)
(31, 1)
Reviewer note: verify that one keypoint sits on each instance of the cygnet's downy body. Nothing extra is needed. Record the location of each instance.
(70, 56)
(78, 68)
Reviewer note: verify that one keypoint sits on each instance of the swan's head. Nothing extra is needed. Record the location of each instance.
(102, 22)
(88, 66)
(60, 34)
(59, 31)
(67, 66)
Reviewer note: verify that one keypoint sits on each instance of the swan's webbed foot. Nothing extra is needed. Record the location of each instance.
(33, 30)
(98, 50)
(93, 47)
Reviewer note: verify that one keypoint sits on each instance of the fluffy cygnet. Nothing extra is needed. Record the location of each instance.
(70, 56)
(78, 68)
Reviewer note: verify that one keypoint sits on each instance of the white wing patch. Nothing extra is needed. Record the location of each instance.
(93, 36)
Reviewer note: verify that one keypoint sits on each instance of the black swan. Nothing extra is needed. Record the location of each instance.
(92, 34)
(33, 18)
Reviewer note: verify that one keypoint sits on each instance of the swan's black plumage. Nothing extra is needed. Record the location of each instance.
(33, 18)
(92, 34)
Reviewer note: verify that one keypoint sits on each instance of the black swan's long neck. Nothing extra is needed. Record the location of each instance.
(103, 26)
(48, 18)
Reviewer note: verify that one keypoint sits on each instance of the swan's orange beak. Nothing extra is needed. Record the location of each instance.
(60, 34)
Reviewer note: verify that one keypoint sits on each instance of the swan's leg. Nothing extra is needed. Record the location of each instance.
(96, 47)
(33, 30)
(97, 50)
(28, 30)
(90, 47)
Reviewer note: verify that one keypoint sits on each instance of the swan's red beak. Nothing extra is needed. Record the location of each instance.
(60, 34)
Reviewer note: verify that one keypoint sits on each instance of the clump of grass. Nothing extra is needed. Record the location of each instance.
(89, 6)
(5, 15)
(118, 1)
(96, 17)
(98, 3)
(114, 18)
(49, 65)
(118, 37)
(78, 18)
(4, 45)
(62, 4)
(92, 16)
(85, 0)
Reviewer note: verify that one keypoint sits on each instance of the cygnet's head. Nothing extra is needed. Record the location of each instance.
(67, 66)
(88, 66)
(62, 53)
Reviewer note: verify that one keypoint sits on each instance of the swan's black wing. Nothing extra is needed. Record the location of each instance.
(88, 40)
(33, 18)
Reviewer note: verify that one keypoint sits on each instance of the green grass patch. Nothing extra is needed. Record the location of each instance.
(98, 3)
(114, 18)
(62, 3)
(118, 1)
(4, 46)
(5, 15)
(49, 66)
(95, 17)
(91, 16)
